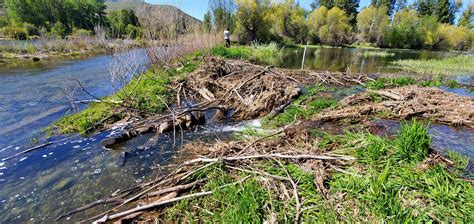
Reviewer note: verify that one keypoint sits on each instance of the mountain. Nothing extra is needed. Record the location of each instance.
(156, 11)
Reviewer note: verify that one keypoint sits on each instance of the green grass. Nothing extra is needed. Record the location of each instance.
(413, 141)
(382, 54)
(388, 184)
(382, 83)
(266, 53)
(147, 96)
(459, 65)
(304, 107)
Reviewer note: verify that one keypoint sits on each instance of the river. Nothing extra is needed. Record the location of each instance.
(39, 186)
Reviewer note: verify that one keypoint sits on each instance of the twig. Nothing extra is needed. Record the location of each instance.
(295, 193)
(267, 156)
(27, 151)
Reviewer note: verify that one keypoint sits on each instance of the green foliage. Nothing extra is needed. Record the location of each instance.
(382, 83)
(30, 29)
(15, 32)
(81, 33)
(372, 24)
(453, 84)
(58, 30)
(70, 13)
(84, 121)
(289, 24)
(206, 22)
(31, 49)
(304, 107)
(329, 27)
(123, 23)
(467, 17)
(460, 161)
(252, 20)
(452, 37)
(459, 65)
(235, 203)
(403, 33)
(232, 52)
(413, 141)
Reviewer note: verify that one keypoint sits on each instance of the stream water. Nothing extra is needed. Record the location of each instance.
(38, 186)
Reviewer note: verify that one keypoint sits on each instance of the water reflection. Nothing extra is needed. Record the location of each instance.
(350, 59)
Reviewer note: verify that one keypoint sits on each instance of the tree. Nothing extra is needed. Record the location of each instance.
(390, 4)
(467, 17)
(452, 37)
(252, 22)
(316, 20)
(221, 13)
(123, 22)
(445, 11)
(372, 24)
(330, 26)
(206, 23)
(289, 22)
(403, 33)
(399, 5)
(314, 5)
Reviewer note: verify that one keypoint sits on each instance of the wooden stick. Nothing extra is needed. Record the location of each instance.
(267, 156)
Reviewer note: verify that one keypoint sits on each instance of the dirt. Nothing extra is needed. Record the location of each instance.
(406, 102)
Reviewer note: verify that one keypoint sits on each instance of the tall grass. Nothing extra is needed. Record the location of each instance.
(413, 141)
(459, 65)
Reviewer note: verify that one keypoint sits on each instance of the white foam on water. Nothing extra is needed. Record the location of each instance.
(3, 168)
(44, 156)
(97, 171)
(23, 158)
(1, 174)
(51, 153)
(76, 147)
(18, 147)
(1, 164)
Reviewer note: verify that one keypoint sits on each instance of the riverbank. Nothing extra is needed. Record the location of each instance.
(321, 155)
(49, 49)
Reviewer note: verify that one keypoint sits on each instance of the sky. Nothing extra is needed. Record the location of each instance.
(197, 8)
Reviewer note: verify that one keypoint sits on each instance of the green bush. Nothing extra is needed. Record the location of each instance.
(233, 52)
(58, 30)
(81, 33)
(31, 30)
(132, 31)
(15, 32)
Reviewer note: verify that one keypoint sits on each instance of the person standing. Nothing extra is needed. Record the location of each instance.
(227, 37)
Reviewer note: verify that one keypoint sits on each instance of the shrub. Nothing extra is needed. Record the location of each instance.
(58, 30)
(30, 29)
(30, 48)
(233, 52)
(15, 32)
(81, 33)
(132, 31)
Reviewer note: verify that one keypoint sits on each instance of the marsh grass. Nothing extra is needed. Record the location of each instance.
(388, 184)
(381, 54)
(459, 65)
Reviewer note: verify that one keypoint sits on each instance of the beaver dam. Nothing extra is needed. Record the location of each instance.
(322, 153)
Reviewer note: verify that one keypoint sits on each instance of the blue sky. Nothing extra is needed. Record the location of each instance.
(197, 8)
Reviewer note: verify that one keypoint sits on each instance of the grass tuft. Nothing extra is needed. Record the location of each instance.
(413, 141)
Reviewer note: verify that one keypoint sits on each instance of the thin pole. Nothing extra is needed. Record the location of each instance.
(304, 55)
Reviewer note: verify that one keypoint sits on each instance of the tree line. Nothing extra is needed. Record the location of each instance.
(60, 18)
(424, 24)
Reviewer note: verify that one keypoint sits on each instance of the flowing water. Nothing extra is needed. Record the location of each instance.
(41, 185)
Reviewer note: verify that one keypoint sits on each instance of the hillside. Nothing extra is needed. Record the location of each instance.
(156, 11)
